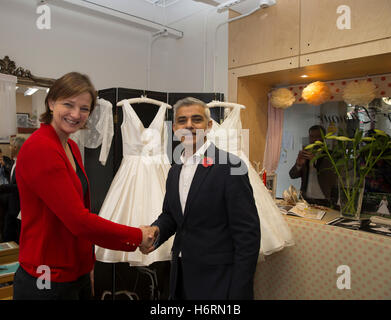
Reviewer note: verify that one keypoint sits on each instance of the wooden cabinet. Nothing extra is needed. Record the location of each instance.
(268, 34)
(370, 20)
(308, 29)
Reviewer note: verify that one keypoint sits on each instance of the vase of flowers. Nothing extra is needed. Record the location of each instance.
(352, 160)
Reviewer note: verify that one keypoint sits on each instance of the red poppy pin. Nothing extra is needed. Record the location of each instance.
(207, 162)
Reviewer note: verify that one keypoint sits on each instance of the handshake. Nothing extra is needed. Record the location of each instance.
(150, 233)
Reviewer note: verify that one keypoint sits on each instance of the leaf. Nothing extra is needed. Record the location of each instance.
(368, 139)
(342, 138)
(380, 132)
(329, 134)
(310, 146)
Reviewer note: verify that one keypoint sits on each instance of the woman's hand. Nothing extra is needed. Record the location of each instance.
(150, 233)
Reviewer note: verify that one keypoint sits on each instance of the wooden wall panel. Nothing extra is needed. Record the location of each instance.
(268, 34)
(367, 49)
(253, 95)
(370, 20)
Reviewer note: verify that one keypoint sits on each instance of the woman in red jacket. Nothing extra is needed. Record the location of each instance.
(58, 230)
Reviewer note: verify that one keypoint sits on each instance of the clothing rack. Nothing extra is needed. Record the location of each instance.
(143, 99)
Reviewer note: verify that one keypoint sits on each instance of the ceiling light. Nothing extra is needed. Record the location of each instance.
(304, 76)
(30, 91)
(227, 4)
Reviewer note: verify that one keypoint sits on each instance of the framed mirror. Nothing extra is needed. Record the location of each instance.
(30, 100)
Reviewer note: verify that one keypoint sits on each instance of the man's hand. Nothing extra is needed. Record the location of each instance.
(149, 237)
(303, 157)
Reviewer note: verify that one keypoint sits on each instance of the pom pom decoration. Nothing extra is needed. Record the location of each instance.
(316, 93)
(359, 93)
(282, 98)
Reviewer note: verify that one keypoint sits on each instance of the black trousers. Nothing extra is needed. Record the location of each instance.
(25, 288)
(180, 286)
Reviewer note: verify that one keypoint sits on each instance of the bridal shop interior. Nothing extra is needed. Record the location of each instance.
(269, 69)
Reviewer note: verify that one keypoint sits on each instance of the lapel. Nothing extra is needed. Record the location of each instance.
(199, 176)
(176, 170)
(48, 131)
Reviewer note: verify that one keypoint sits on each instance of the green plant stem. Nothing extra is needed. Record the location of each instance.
(335, 167)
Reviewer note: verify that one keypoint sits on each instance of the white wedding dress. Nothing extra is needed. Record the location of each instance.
(275, 232)
(99, 131)
(137, 192)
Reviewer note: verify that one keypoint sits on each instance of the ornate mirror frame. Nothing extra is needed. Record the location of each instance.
(7, 66)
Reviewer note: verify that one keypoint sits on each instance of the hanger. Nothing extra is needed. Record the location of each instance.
(143, 99)
(216, 103)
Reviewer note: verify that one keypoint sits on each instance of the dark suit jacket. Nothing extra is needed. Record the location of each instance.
(326, 176)
(219, 233)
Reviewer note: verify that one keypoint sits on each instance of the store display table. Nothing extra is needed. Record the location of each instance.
(308, 270)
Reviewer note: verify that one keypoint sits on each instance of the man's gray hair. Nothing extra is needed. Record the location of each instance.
(190, 101)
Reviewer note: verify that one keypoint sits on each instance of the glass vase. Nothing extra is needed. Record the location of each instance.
(350, 200)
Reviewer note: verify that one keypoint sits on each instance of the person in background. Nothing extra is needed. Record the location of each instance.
(317, 180)
(5, 169)
(11, 229)
(58, 230)
(379, 179)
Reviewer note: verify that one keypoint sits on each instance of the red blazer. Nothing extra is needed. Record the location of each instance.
(58, 229)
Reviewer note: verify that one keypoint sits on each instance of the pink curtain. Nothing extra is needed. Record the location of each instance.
(275, 122)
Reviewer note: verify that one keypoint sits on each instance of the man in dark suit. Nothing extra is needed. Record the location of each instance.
(209, 206)
(317, 179)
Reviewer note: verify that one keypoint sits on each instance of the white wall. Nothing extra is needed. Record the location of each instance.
(111, 53)
(187, 64)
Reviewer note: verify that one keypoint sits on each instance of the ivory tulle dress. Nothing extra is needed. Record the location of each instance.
(137, 192)
(275, 232)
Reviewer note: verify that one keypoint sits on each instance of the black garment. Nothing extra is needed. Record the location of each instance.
(80, 174)
(8, 163)
(11, 227)
(26, 288)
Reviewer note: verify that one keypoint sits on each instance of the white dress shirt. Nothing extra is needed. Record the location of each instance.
(313, 188)
(188, 170)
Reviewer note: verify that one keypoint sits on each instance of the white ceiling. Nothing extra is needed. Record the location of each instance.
(168, 11)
